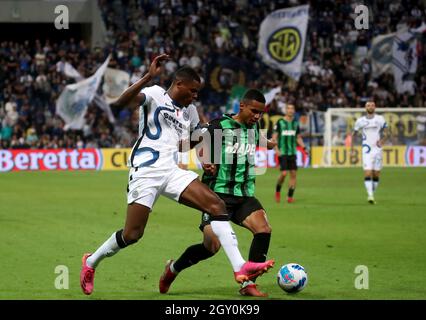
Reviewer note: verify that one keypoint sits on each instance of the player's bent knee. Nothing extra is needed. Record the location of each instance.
(216, 207)
(266, 229)
(132, 237)
(263, 228)
(257, 222)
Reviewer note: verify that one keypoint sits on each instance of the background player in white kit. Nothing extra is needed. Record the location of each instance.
(165, 120)
(374, 134)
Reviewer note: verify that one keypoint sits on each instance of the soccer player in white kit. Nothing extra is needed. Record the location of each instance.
(374, 134)
(166, 119)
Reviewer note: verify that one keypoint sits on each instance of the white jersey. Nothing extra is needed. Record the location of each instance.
(162, 125)
(371, 129)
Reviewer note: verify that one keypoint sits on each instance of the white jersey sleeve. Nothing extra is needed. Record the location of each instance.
(154, 92)
(193, 117)
(383, 123)
(358, 124)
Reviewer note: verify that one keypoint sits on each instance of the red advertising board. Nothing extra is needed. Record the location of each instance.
(55, 159)
(268, 158)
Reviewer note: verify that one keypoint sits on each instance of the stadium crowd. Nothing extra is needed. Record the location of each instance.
(203, 34)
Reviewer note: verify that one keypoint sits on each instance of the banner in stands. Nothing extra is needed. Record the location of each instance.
(381, 54)
(397, 156)
(225, 72)
(73, 102)
(50, 159)
(405, 58)
(115, 83)
(282, 38)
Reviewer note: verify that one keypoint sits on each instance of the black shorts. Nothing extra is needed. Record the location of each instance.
(238, 209)
(288, 162)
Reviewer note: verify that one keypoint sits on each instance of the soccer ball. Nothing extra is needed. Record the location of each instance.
(292, 277)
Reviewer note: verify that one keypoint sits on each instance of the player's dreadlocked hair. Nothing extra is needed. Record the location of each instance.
(253, 94)
(186, 73)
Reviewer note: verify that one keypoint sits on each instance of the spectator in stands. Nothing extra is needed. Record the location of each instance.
(196, 32)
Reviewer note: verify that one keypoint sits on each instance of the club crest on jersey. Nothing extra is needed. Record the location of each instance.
(185, 115)
(135, 194)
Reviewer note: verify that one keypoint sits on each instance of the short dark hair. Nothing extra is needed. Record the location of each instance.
(253, 94)
(186, 73)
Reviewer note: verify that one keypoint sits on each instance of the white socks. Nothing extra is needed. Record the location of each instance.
(375, 185)
(369, 186)
(222, 229)
(107, 249)
(229, 242)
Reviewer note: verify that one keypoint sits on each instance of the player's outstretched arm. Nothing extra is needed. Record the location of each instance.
(133, 93)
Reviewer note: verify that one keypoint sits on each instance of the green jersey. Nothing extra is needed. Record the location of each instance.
(287, 136)
(233, 153)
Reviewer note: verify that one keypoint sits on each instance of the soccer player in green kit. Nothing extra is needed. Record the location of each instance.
(233, 180)
(287, 136)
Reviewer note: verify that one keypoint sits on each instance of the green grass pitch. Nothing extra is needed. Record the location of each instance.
(49, 219)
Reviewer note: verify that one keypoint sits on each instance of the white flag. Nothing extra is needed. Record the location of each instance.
(73, 102)
(404, 60)
(282, 38)
(67, 69)
(270, 95)
(381, 54)
(115, 82)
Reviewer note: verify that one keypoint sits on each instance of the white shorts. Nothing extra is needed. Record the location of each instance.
(146, 184)
(183, 157)
(372, 158)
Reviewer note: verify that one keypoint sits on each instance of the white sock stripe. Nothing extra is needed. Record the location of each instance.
(228, 240)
